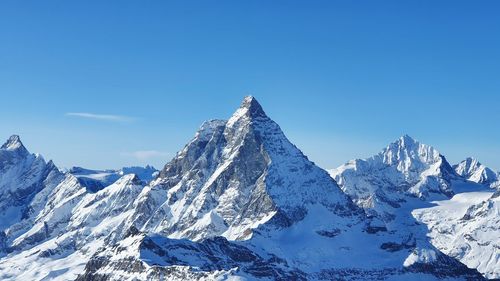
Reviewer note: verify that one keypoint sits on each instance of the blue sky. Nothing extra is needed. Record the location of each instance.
(103, 84)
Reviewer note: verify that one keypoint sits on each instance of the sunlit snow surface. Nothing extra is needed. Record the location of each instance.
(79, 224)
(467, 227)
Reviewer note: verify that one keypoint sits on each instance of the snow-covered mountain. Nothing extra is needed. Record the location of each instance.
(474, 171)
(232, 177)
(70, 229)
(98, 179)
(25, 182)
(402, 184)
(238, 202)
(404, 169)
(253, 206)
(51, 224)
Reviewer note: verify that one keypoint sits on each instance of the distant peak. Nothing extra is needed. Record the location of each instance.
(406, 142)
(150, 167)
(14, 143)
(406, 148)
(12, 140)
(470, 163)
(471, 160)
(406, 139)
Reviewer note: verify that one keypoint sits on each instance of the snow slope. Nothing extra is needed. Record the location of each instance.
(467, 227)
(74, 229)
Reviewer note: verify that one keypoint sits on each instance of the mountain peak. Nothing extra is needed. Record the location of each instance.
(405, 147)
(472, 161)
(406, 141)
(469, 164)
(252, 106)
(249, 110)
(410, 147)
(474, 171)
(14, 143)
(410, 156)
(233, 177)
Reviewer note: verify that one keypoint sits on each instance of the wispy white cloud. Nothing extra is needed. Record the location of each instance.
(103, 117)
(146, 154)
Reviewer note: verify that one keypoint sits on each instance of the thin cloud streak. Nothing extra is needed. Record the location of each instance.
(103, 117)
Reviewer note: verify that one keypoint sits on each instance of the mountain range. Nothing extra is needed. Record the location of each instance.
(241, 202)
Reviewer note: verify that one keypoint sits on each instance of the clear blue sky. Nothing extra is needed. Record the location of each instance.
(342, 78)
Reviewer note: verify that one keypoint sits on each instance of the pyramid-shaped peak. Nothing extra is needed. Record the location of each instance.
(249, 111)
(247, 100)
(252, 106)
(13, 143)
